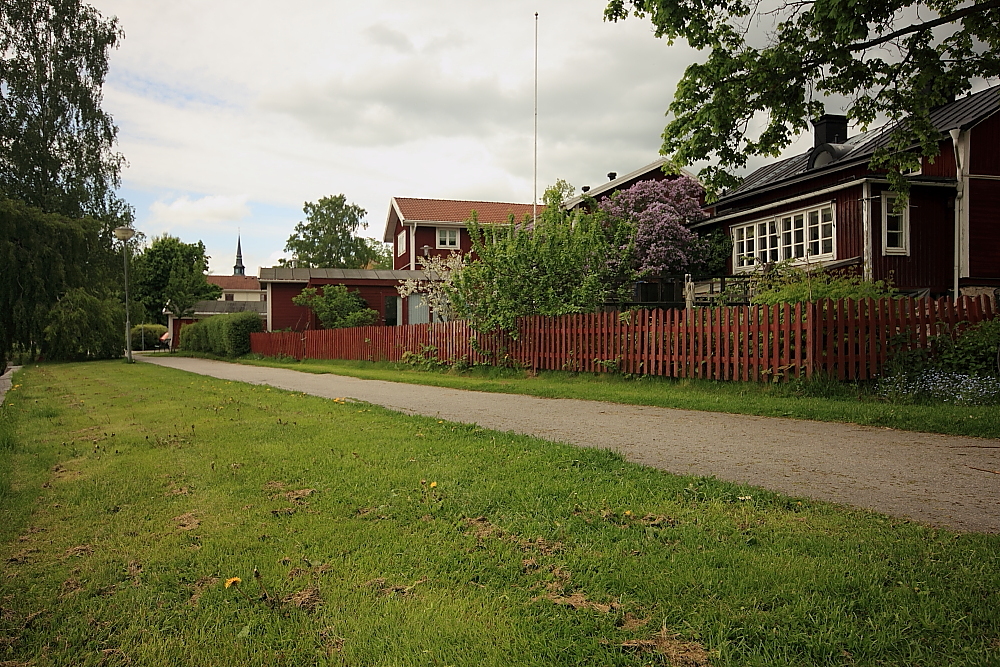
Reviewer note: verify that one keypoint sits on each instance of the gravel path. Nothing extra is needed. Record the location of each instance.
(5, 381)
(920, 476)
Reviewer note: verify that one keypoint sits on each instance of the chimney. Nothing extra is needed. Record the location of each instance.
(829, 129)
(612, 175)
(585, 189)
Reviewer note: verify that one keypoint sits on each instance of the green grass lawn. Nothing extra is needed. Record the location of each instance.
(821, 399)
(131, 494)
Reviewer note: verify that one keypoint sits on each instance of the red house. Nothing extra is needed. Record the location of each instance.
(377, 288)
(827, 206)
(428, 227)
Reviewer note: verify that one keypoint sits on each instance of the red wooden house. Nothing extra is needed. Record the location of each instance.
(436, 227)
(827, 206)
(377, 288)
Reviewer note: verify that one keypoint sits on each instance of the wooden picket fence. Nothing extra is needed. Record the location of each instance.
(847, 339)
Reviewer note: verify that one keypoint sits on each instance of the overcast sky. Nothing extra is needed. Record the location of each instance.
(234, 113)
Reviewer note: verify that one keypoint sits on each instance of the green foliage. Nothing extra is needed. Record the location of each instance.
(224, 335)
(784, 283)
(715, 250)
(336, 307)
(562, 263)
(83, 326)
(147, 336)
(171, 274)
(328, 237)
(773, 66)
(974, 352)
(56, 143)
(42, 256)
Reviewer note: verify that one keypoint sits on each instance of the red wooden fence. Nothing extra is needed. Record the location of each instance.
(846, 339)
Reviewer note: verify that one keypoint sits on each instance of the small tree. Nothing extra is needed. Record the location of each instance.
(336, 307)
(84, 326)
(437, 289)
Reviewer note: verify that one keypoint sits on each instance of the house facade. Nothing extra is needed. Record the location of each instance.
(828, 207)
(377, 288)
(419, 228)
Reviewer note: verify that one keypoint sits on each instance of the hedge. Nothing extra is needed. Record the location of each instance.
(147, 336)
(224, 335)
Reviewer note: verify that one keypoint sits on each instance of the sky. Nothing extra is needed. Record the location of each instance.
(233, 113)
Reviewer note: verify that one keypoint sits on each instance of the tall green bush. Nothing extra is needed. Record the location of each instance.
(147, 336)
(224, 335)
(337, 307)
(83, 326)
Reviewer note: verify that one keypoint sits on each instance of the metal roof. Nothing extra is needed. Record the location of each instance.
(274, 274)
(961, 114)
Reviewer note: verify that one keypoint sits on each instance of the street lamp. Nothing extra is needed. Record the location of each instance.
(123, 234)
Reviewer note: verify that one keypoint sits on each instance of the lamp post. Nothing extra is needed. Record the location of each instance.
(123, 234)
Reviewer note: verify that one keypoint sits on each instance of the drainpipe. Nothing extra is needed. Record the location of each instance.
(413, 249)
(956, 135)
(866, 225)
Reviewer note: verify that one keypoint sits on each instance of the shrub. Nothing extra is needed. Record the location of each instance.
(783, 283)
(336, 307)
(974, 352)
(224, 335)
(147, 336)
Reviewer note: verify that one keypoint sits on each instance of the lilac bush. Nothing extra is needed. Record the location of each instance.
(658, 211)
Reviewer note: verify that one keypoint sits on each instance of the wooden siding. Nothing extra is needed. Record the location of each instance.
(846, 339)
(984, 229)
(284, 313)
(943, 165)
(984, 153)
(932, 242)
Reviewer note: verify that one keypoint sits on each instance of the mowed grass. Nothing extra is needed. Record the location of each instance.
(131, 494)
(821, 399)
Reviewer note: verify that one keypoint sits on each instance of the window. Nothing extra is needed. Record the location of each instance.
(229, 297)
(447, 238)
(401, 244)
(895, 227)
(799, 235)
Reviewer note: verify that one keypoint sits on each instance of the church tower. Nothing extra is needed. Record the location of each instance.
(239, 270)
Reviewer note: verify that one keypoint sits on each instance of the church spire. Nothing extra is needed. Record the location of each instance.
(239, 269)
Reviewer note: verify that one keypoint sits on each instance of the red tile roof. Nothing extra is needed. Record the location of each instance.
(235, 282)
(451, 210)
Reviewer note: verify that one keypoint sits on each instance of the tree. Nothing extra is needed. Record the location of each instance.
(43, 256)
(84, 326)
(327, 239)
(56, 142)
(336, 307)
(781, 67)
(557, 265)
(657, 213)
(171, 274)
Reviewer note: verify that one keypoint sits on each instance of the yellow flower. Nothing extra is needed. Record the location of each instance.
(433, 484)
(232, 580)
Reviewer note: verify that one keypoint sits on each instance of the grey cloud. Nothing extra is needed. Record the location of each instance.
(394, 39)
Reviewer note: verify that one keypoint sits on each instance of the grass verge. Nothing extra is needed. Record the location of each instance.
(821, 399)
(133, 494)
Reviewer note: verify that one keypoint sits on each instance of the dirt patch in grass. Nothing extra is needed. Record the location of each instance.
(69, 587)
(332, 642)
(578, 600)
(283, 511)
(307, 598)
(386, 590)
(187, 521)
(23, 556)
(630, 623)
(79, 551)
(482, 529)
(676, 651)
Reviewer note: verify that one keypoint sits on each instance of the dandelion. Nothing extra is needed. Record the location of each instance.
(433, 484)
(232, 580)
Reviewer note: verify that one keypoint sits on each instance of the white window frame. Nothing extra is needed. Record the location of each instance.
(803, 235)
(888, 200)
(401, 243)
(451, 234)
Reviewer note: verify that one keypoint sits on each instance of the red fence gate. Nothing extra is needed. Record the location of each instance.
(848, 339)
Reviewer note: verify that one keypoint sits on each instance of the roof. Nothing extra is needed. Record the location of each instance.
(235, 282)
(276, 274)
(961, 114)
(452, 211)
(622, 182)
(221, 307)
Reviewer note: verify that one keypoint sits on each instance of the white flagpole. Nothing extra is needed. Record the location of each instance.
(534, 191)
